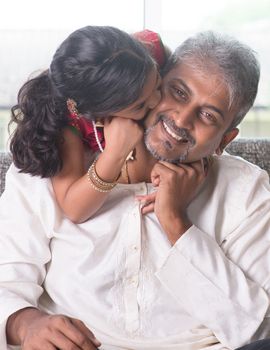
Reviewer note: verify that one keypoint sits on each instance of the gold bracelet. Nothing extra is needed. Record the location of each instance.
(96, 182)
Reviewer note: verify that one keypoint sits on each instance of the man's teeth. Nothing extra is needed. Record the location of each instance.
(170, 132)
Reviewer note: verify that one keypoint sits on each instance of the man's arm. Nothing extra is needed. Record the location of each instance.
(221, 290)
(25, 251)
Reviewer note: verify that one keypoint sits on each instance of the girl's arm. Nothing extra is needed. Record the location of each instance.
(73, 191)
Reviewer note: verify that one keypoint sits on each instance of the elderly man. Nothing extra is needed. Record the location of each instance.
(186, 265)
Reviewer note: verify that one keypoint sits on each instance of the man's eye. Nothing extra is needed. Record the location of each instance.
(179, 93)
(208, 117)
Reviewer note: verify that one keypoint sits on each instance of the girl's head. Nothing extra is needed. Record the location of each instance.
(104, 70)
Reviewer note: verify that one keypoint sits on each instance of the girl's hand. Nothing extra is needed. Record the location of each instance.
(121, 136)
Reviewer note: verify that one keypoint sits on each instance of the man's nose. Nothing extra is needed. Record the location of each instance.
(154, 99)
(183, 117)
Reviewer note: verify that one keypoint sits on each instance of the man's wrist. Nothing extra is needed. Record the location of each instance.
(177, 228)
(18, 322)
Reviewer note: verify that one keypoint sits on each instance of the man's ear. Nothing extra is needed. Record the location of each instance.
(226, 139)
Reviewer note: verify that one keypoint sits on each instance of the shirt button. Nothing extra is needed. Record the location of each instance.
(132, 280)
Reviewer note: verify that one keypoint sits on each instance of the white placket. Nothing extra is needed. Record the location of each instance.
(132, 266)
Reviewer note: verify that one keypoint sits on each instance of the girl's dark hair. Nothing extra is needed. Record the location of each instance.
(102, 68)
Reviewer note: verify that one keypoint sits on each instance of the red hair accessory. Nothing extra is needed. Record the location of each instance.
(90, 132)
(154, 44)
(87, 132)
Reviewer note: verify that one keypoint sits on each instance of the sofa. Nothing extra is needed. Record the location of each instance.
(256, 151)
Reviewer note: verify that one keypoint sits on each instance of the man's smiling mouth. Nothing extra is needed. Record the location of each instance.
(173, 134)
(163, 138)
(180, 135)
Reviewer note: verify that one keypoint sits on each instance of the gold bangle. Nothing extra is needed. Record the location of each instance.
(96, 182)
(97, 188)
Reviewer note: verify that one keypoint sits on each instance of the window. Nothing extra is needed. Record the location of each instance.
(30, 32)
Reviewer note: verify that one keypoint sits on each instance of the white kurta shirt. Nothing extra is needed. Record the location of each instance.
(118, 273)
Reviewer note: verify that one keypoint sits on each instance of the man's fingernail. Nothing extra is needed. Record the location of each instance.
(97, 343)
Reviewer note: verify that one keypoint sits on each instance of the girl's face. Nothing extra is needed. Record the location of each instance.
(148, 99)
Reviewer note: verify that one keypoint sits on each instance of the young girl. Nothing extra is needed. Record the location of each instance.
(98, 74)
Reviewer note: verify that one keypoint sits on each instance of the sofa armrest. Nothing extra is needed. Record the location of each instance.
(5, 161)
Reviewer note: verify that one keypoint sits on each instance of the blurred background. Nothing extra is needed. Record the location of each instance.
(31, 30)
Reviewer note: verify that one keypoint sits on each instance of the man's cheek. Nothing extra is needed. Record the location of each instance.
(150, 119)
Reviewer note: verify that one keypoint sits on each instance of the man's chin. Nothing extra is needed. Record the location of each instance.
(165, 156)
(162, 148)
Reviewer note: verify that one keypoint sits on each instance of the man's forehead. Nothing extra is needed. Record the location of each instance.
(201, 68)
(190, 75)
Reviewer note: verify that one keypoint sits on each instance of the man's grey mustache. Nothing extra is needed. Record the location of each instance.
(181, 132)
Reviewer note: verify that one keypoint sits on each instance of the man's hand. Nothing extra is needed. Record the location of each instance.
(176, 187)
(39, 331)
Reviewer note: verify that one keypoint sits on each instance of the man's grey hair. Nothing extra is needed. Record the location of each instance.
(235, 61)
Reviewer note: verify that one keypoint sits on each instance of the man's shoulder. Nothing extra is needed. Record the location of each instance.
(232, 167)
(238, 187)
(234, 176)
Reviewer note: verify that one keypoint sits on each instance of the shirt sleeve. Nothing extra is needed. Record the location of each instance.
(227, 286)
(24, 248)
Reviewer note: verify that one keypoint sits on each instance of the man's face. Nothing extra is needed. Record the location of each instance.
(191, 120)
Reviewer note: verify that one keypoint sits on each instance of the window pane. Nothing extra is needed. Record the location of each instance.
(30, 32)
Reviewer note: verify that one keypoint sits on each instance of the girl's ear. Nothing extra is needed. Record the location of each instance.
(226, 139)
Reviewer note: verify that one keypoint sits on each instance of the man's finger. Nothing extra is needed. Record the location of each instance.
(86, 331)
(79, 335)
(59, 341)
(200, 167)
